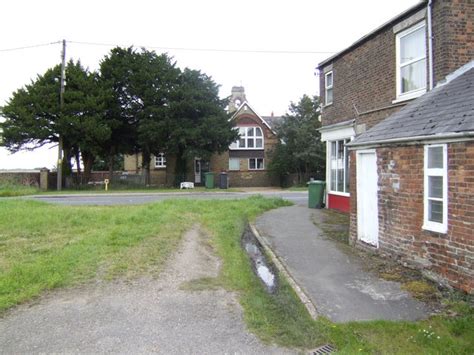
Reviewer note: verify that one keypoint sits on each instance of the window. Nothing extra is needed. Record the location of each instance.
(256, 164)
(160, 161)
(234, 164)
(436, 188)
(339, 164)
(411, 62)
(328, 81)
(250, 138)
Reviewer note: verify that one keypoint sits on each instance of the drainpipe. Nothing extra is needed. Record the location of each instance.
(430, 46)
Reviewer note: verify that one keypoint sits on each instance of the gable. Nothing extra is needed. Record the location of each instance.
(246, 115)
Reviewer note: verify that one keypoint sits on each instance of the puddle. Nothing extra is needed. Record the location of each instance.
(260, 265)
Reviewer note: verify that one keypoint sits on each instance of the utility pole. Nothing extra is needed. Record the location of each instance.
(61, 108)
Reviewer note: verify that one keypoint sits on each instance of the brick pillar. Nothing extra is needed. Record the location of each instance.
(44, 173)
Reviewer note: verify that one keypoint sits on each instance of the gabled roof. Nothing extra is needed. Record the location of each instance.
(242, 108)
(273, 121)
(446, 111)
(373, 33)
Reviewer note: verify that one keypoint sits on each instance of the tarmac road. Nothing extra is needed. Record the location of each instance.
(297, 197)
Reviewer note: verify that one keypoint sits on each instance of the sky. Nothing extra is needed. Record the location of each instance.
(269, 47)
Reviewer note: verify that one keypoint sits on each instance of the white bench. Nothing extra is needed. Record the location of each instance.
(186, 185)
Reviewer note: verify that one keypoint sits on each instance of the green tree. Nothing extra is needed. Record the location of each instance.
(198, 124)
(139, 85)
(33, 118)
(300, 149)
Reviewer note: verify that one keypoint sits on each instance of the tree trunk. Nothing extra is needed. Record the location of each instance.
(111, 163)
(88, 160)
(180, 168)
(146, 157)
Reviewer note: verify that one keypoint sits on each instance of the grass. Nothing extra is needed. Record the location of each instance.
(10, 190)
(44, 246)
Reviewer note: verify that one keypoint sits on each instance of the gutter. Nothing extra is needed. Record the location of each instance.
(445, 136)
(430, 45)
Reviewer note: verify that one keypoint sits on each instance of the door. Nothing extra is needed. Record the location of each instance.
(197, 171)
(367, 200)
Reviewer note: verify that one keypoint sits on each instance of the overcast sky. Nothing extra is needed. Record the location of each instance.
(271, 80)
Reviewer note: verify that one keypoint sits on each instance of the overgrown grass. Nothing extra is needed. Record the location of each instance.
(46, 246)
(10, 190)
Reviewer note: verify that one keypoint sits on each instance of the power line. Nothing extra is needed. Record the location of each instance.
(28, 47)
(228, 50)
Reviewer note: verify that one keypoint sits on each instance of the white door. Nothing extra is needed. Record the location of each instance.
(367, 201)
(197, 171)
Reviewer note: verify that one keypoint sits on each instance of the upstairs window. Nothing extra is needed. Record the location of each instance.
(328, 81)
(411, 62)
(436, 188)
(160, 161)
(250, 138)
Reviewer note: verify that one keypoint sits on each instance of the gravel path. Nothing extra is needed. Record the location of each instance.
(142, 316)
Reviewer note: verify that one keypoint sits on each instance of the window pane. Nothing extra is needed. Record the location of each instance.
(329, 79)
(340, 166)
(250, 142)
(259, 143)
(329, 96)
(413, 76)
(435, 157)
(435, 211)
(346, 167)
(252, 163)
(435, 186)
(260, 163)
(250, 132)
(242, 131)
(333, 166)
(241, 143)
(258, 132)
(234, 164)
(413, 46)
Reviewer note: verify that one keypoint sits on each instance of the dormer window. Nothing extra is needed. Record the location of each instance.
(411, 62)
(250, 138)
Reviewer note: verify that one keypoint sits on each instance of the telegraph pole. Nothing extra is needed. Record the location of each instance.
(61, 108)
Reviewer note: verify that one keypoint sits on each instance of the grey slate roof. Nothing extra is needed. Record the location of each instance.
(444, 110)
(273, 121)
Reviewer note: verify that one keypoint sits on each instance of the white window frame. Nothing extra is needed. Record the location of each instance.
(442, 172)
(256, 165)
(243, 134)
(345, 164)
(160, 161)
(414, 93)
(230, 168)
(328, 87)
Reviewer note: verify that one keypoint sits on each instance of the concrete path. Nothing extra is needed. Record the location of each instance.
(140, 316)
(334, 280)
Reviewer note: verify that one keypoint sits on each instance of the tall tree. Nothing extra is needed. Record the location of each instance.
(33, 117)
(300, 149)
(198, 124)
(140, 85)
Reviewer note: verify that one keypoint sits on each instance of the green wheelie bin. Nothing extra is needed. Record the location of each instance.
(316, 193)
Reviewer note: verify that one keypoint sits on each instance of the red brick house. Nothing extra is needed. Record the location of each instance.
(245, 162)
(366, 82)
(404, 173)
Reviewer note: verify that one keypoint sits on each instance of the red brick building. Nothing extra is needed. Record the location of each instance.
(382, 172)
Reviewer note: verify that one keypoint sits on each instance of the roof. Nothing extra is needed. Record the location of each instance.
(245, 105)
(446, 110)
(373, 33)
(273, 121)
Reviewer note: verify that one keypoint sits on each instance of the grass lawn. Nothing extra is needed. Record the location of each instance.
(44, 246)
(10, 190)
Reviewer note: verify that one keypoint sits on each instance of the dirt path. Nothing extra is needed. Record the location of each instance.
(143, 316)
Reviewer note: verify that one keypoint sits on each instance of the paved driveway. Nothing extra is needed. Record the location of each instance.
(297, 197)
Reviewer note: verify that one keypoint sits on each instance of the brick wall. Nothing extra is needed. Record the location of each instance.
(448, 257)
(364, 78)
(453, 35)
